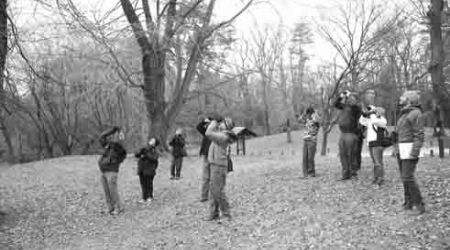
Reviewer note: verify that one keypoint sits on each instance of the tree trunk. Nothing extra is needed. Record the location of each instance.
(288, 131)
(437, 58)
(3, 53)
(266, 108)
(248, 122)
(154, 74)
(325, 133)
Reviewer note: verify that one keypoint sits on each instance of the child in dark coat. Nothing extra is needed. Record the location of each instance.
(147, 164)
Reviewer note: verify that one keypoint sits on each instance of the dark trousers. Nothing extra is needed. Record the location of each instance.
(146, 185)
(412, 193)
(348, 151)
(358, 155)
(309, 152)
(376, 153)
(175, 169)
(218, 199)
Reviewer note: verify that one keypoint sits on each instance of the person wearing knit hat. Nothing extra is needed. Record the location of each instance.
(221, 136)
(411, 135)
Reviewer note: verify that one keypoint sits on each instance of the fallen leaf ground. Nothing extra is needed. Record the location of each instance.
(56, 204)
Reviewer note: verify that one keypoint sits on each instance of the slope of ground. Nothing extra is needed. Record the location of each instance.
(56, 204)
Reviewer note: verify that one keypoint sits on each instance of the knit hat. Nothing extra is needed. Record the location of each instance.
(412, 96)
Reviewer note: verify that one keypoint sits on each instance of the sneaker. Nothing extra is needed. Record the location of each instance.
(172, 178)
(227, 217)
(150, 200)
(203, 200)
(407, 206)
(142, 201)
(177, 178)
(380, 182)
(312, 175)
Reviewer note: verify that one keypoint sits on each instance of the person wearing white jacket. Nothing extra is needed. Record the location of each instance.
(376, 124)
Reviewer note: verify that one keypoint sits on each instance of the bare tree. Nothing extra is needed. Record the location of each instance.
(156, 35)
(361, 27)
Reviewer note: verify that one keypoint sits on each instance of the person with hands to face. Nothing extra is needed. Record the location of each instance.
(311, 120)
(221, 136)
(410, 135)
(349, 127)
(204, 148)
(376, 123)
(113, 155)
(178, 144)
(147, 165)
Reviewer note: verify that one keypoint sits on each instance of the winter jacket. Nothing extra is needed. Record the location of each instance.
(372, 123)
(206, 143)
(113, 153)
(348, 120)
(218, 153)
(177, 143)
(148, 161)
(411, 128)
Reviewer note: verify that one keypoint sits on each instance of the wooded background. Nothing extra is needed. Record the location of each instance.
(153, 66)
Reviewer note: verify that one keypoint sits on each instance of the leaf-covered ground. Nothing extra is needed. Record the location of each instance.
(56, 204)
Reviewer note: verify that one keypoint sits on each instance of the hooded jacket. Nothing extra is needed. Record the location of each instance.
(218, 153)
(148, 160)
(113, 153)
(411, 128)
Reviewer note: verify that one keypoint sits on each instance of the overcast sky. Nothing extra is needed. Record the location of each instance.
(266, 12)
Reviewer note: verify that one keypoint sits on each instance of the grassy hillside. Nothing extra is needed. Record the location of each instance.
(56, 204)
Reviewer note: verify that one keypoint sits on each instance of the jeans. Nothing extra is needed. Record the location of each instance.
(109, 183)
(175, 169)
(206, 177)
(348, 150)
(146, 186)
(413, 196)
(376, 153)
(218, 199)
(309, 152)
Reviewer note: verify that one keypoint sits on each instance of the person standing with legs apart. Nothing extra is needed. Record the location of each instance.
(204, 148)
(178, 152)
(147, 165)
(311, 120)
(376, 124)
(411, 136)
(368, 102)
(113, 155)
(348, 142)
(221, 135)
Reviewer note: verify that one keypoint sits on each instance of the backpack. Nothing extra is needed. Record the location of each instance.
(383, 137)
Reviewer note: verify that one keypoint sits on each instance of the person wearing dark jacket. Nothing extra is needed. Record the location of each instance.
(147, 165)
(178, 152)
(113, 155)
(348, 142)
(410, 135)
(204, 148)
